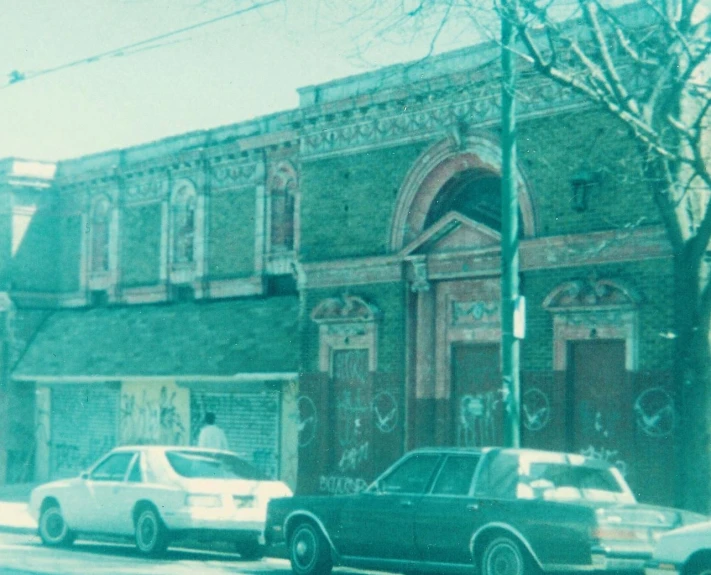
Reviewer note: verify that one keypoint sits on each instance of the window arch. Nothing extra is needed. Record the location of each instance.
(182, 220)
(100, 239)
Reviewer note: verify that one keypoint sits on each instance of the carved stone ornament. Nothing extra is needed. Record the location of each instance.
(591, 293)
(344, 309)
(236, 175)
(475, 312)
(420, 282)
(149, 189)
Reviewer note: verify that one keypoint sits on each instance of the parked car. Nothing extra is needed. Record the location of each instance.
(503, 511)
(158, 495)
(686, 551)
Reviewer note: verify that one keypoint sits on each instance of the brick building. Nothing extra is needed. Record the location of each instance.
(327, 279)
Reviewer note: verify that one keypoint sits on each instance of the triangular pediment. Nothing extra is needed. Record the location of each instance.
(452, 233)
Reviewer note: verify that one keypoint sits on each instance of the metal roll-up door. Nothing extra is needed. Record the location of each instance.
(83, 425)
(250, 421)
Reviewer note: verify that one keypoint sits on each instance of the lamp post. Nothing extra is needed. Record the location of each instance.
(509, 232)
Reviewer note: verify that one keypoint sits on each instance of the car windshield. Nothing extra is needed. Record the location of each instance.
(566, 481)
(210, 465)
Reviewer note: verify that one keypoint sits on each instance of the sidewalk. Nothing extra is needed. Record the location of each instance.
(14, 517)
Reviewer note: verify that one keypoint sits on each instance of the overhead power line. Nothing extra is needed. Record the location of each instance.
(17, 76)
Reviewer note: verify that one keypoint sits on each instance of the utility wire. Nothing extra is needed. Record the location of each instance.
(16, 76)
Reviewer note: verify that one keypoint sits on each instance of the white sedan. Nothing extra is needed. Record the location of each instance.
(686, 551)
(158, 494)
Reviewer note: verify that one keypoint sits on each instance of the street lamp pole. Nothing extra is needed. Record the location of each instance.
(509, 232)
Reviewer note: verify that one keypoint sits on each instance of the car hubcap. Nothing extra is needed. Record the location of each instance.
(54, 525)
(147, 531)
(305, 549)
(504, 560)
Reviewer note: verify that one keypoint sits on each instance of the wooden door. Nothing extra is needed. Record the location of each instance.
(599, 402)
(478, 410)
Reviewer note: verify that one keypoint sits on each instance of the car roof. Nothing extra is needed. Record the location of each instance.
(165, 448)
(531, 453)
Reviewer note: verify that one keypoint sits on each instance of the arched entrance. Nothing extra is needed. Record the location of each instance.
(447, 229)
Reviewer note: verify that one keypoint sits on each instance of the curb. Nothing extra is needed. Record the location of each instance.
(17, 530)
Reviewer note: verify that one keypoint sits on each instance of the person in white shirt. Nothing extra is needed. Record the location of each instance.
(212, 436)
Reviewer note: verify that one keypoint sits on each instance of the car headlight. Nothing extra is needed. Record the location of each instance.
(202, 500)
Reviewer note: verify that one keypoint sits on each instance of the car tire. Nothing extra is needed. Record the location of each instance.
(309, 551)
(698, 568)
(250, 550)
(151, 533)
(53, 530)
(504, 556)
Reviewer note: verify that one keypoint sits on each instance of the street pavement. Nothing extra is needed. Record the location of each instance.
(24, 554)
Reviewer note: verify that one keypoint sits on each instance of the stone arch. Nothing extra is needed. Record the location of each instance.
(433, 169)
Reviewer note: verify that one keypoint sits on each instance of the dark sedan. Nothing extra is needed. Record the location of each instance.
(503, 511)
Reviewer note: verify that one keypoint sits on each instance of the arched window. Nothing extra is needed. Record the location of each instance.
(282, 201)
(183, 224)
(100, 234)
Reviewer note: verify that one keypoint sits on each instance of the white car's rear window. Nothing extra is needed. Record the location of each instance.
(209, 465)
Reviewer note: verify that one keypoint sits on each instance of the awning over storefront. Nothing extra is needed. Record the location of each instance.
(212, 339)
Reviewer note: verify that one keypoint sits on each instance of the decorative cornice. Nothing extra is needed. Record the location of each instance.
(581, 250)
(425, 117)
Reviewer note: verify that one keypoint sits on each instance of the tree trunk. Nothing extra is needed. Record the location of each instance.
(693, 380)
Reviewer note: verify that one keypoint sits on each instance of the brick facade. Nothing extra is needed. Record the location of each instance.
(392, 245)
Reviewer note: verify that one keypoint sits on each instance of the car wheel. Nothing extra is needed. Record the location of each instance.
(503, 556)
(53, 530)
(309, 551)
(151, 533)
(250, 550)
(698, 569)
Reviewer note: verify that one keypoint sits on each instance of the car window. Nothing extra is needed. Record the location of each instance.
(412, 476)
(113, 468)
(499, 476)
(206, 464)
(135, 475)
(456, 475)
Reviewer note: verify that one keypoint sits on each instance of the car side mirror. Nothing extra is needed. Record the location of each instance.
(84, 475)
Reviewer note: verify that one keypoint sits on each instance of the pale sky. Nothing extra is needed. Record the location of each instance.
(239, 68)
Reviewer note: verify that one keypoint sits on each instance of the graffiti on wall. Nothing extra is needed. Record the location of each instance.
(385, 411)
(654, 412)
(154, 415)
(307, 420)
(477, 419)
(611, 456)
(70, 457)
(536, 409)
(341, 485)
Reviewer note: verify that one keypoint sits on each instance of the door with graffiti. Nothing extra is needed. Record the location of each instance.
(599, 399)
(478, 412)
(351, 444)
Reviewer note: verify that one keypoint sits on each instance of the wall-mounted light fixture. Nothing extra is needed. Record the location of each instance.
(582, 184)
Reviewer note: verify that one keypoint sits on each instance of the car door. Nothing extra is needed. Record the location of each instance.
(105, 489)
(447, 516)
(379, 523)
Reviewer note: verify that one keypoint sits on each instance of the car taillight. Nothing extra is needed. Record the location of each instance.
(619, 533)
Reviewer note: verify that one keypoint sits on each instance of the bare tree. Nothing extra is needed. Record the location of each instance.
(648, 65)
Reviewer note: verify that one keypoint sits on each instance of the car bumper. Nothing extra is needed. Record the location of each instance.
(195, 519)
(605, 559)
(661, 568)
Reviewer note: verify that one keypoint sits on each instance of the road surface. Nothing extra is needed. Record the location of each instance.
(25, 555)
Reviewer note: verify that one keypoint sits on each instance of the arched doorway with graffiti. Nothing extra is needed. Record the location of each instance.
(447, 228)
